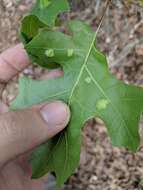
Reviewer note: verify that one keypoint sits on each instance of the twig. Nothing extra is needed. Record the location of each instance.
(135, 28)
(103, 15)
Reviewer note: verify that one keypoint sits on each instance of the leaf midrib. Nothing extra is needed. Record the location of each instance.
(82, 68)
(72, 91)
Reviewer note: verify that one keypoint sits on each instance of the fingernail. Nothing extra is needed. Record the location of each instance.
(56, 113)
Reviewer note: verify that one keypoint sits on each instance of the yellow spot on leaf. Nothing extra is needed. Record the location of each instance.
(102, 104)
(70, 52)
(88, 80)
(49, 53)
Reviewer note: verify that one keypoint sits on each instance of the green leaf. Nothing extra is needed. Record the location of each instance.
(48, 10)
(141, 2)
(30, 27)
(88, 88)
(44, 14)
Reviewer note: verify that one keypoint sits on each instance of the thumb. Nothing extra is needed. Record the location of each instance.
(20, 131)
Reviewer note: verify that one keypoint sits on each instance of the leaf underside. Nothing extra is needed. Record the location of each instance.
(88, 88)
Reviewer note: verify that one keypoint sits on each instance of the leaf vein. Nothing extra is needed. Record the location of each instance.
(82, 68)
(121, 116)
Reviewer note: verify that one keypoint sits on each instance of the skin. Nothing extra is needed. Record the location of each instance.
(21, 131)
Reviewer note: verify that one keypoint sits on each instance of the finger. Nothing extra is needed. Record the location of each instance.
(12, 61)
(50, 75)
(3, 108)
(21, 131)
(13, 177)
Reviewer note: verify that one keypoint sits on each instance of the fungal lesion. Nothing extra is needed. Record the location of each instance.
(50, 53)
(88, 80)
(102, 104)
(70, 52)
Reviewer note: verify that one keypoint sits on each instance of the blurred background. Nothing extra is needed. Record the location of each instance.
(102, 167)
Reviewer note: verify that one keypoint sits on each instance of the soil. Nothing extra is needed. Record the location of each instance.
(102, 166)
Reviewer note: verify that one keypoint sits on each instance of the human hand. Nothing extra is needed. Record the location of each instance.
(23, 130)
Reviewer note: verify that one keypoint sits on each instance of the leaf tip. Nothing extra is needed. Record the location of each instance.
(44, 3)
